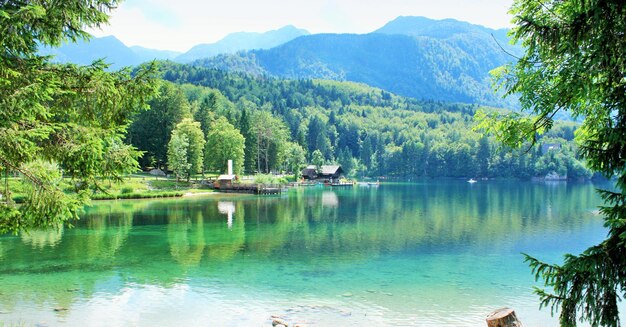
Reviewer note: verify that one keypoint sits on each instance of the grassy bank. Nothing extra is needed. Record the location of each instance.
(138, 186)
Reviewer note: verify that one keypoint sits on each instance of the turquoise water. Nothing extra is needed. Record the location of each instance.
(425, 254)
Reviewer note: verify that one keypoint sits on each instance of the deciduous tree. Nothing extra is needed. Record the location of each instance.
(224, 142)
(186, 138)
(575, 60)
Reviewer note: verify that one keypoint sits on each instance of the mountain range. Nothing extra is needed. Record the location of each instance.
(411, 56)
(418, 57)
(118, 55)
(242, 41)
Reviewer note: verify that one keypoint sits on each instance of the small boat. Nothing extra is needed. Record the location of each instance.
(376, 183)
(471, 181)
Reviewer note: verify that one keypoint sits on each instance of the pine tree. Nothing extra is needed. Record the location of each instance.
(57, 117)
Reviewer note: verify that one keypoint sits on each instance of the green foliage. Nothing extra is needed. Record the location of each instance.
(244, 128)
(138, 195)
(126, 190)
(167, 109)
(294, 159)
(185, 149)
(223, 143)
(270, 136)
(363, 127)
(317, 159)
(444, 66)
(268, 179)
(177, 158)
(575, 61)
(57, 117)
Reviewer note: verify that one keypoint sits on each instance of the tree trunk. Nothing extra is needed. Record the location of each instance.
(258, 155)
(504, 317)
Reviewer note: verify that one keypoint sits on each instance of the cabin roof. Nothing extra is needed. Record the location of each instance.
(227, 177)
(330, 170)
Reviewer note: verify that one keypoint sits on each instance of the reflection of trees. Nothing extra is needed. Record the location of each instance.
(227, 241)
(48, 275)
(38, 238)
(107, 234)
(401, 217)
(170, 237)
(186, 238)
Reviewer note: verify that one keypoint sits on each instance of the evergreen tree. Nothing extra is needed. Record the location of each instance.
(244, 128)
(575, 60)
(57, 117)
(205, 114)
(167, 109)
(483, 156)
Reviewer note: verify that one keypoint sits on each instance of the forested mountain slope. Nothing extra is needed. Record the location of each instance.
(369, 131)
(412, 56)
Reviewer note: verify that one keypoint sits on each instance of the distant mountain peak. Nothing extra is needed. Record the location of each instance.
(241, 41)
(417, 57)
(437, 28)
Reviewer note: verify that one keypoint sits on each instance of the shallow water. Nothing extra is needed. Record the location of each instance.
(424, 254)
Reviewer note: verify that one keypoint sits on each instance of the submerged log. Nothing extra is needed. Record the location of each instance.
(504, 317)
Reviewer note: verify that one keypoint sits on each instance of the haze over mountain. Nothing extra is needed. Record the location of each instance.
(114, 52)
(109, 48)
(240, 41)
(412, 56)
(150, 54)
(418, 57)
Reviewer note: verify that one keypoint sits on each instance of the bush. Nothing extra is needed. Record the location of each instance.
(126, 190)
(269, 179)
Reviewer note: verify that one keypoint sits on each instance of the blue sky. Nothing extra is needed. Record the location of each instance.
(179, 25)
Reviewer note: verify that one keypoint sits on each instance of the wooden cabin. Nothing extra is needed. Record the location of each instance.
(326, 173)
(224, 180)
(309, 173)
(330, 173)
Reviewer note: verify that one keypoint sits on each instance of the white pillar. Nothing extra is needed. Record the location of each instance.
(230, 167)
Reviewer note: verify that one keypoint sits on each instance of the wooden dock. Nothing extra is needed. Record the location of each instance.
(260, 189)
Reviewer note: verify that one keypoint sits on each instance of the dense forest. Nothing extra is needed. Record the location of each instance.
(285, 124)
(441, 60)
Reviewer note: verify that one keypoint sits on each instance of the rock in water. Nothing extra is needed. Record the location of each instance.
(277, 322)
(504, 317)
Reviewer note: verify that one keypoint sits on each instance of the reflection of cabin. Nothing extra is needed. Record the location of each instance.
(326, 173)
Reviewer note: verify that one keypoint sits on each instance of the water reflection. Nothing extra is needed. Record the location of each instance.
(185, 235)
(330, 199)
(303, 240)
(389, 218)
(43, 238)
(227, 208)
